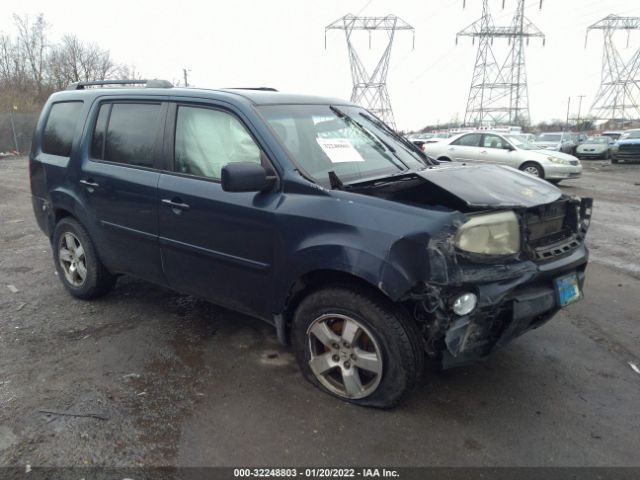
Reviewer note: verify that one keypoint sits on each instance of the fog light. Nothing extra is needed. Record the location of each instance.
(464, 304)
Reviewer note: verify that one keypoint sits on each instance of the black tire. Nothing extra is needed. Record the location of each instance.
(531, 165)
(98, 280)
(395, 335)
(614, 160)
(555, 182)
(444, 159)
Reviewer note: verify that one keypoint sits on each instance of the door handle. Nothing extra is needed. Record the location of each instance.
(89, 183)
(176, 203)
(483, 151)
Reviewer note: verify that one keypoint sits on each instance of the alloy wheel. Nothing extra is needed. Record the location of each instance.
(72, 259)
(344, 356)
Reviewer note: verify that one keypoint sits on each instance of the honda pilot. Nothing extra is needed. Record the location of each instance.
(309, 213)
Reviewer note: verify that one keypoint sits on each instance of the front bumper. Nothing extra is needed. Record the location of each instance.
(591, 155)
(558, 171)
(509, 306)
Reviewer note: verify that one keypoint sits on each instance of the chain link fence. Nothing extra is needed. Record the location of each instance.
(23, 124)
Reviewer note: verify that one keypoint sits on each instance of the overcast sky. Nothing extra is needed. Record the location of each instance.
(280, 43)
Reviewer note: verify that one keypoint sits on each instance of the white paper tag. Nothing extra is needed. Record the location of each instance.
(339, 150)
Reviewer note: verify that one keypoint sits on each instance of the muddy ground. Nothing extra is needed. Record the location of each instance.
(170, 380)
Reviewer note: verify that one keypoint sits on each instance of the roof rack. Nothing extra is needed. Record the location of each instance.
(264, 89)
(152, 83)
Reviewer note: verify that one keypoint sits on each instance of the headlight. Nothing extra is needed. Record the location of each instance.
(491, 234)
(559, 160)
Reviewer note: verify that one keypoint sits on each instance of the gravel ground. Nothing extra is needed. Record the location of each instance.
(158, 378)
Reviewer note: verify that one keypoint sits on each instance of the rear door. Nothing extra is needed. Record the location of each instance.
(465, 148)
(215, 244)
(119, 176)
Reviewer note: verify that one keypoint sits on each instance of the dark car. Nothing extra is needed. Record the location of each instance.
(627, 148)
(558, 141)
(310, 214)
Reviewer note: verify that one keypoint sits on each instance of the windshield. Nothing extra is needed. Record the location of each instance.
(630, 135)
(549, 137)
(598, 140)
(520, 142)
(346, 140)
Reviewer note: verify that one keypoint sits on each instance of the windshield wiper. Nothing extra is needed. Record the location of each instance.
(370, 135)
(394, 134)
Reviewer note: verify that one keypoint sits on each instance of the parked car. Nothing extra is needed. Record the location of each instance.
(614, 135)
(627, 148)
(595, 147)
(509, 150)
(558, 141)
(310, 214)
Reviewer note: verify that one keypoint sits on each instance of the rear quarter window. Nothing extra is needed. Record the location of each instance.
(60, 128)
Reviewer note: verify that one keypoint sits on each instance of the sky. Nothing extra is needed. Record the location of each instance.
(281, 44)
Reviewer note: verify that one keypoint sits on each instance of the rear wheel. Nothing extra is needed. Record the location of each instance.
(532, 168)
(77, 263)
(444, 159)
(357, 347)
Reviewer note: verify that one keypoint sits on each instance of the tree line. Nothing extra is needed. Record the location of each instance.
(32, 66)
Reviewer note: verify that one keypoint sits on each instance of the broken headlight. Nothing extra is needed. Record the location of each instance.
(490, 234)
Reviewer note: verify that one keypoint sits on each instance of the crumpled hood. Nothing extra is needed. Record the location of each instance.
(491, 186)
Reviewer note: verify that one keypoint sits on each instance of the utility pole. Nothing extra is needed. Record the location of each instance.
(579, 110)
(370, 90)
(498, 92)
(568, 107)
(13, 128)
(618, 97)
(185, 76)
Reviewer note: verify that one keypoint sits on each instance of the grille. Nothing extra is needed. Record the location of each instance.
(551, 229)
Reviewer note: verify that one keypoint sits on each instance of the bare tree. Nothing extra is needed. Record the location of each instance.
(32, 40)
(74, 61)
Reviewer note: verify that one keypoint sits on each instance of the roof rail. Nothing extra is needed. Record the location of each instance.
(152, 83)
(264, 89)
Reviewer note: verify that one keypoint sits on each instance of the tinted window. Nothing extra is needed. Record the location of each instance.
(471, 140)
(97, 141)
(493, 141)
(207, 140)
(60, 128)
(131, 133)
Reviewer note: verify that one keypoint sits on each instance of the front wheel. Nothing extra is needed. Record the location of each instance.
(356, 347)
(532, 168)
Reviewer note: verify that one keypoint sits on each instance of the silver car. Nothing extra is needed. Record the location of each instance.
(505, 149)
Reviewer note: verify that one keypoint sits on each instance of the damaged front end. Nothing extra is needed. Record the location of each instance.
(514, 294)
(471, 300)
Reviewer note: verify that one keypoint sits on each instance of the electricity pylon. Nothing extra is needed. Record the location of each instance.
(498, 92)
(370, 90)
(618, 96)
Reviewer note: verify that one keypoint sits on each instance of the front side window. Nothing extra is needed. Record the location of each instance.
(60, 128)
(493, 141)
(345, 140)
(207, 140)
(471, 140)
(127, 133)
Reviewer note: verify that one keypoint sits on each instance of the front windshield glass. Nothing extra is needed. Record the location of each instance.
(630, 135)
(548, 137)
(344, 140)
(520, 142)
(597, 140)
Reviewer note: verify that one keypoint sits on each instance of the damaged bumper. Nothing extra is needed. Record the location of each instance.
(509, 308)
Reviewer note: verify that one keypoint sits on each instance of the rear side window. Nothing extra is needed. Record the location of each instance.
(471, 140)
(60, 128)
(127, 133)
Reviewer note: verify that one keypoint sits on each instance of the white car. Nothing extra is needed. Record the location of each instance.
(506, 149)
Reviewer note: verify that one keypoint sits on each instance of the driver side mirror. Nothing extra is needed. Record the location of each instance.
(245, 177)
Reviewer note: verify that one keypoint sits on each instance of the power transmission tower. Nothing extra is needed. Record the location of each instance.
(370, 90)
(618, 96)
(498, 92)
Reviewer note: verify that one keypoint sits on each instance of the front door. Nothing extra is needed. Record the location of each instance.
(494, 149)
(215, 244)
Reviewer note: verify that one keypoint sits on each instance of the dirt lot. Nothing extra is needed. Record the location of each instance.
(177, 381)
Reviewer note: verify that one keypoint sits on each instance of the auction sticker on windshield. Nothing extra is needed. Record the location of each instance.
(339, 150)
